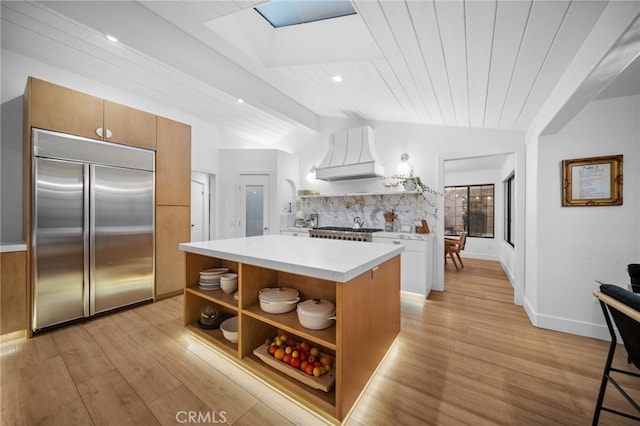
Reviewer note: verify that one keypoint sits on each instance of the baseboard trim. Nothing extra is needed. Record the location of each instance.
(564, 325)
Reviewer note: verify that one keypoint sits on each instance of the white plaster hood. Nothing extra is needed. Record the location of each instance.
(351, 155)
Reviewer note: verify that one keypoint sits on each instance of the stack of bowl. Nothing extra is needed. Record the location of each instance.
(229, 282)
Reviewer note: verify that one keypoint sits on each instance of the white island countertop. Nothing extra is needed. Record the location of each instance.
(334, 260)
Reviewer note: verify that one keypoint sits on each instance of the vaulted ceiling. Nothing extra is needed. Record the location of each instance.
(486, 64)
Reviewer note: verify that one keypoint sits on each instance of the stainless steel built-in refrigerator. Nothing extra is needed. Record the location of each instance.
(92, 227)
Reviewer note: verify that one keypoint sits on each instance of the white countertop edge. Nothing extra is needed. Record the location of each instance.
(12, 247)
(404, 235)
(300, 269)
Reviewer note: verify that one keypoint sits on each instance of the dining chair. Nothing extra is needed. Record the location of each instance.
(634, 276)
(622, 307)
(453, 247)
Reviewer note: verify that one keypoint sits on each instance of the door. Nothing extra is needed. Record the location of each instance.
(60, 229)
(122, 217)
(197, 211)
(254, 207)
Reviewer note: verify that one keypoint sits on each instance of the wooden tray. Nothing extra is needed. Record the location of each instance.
(324, 382)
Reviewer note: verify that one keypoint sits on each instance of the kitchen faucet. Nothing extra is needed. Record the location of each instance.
(357, 222)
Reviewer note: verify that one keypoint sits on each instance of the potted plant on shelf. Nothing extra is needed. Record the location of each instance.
(414, 184)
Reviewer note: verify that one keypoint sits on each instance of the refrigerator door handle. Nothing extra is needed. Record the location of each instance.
(90, 240)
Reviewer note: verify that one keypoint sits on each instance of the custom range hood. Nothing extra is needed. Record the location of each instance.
(351, 155)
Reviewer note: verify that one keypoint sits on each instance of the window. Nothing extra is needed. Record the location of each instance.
(510, 209)
(282, 13)
(469, 208)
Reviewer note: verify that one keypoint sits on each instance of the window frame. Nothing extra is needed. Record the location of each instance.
(509, 209)
(468, 207)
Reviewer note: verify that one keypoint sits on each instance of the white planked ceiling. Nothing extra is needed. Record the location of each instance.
(475, 63)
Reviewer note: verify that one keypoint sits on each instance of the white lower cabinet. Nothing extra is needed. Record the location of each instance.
(417, 272)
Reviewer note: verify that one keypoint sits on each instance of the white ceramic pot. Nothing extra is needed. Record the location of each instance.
(278, 300)
(316, 314)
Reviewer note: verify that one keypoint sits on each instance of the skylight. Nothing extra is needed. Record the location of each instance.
(282, 13)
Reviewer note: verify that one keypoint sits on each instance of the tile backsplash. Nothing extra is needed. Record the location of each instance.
(340, 210)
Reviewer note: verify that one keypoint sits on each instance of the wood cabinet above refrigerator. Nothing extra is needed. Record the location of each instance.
(54, 107)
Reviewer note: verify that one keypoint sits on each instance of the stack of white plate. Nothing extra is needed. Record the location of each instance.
(210, 278)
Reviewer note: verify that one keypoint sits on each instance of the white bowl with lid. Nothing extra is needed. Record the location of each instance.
(316, 314)
(278, 300)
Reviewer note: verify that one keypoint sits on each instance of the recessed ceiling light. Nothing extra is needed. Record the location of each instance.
(112, 38)
(336, 78)
(240, 101)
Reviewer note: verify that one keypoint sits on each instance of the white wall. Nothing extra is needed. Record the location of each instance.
(280, 165)
(423, 143)
(15, 70)
(507, 252)
(577, 245)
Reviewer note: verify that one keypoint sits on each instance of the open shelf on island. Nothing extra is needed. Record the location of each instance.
(289, 322)
(216, 336)
(326, 401)
(216, 296)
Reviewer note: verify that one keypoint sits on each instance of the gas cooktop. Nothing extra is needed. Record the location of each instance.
(347, 229)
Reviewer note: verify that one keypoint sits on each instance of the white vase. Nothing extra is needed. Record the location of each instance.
(409, 185)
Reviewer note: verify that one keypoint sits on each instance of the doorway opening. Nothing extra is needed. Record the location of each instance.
(480, 169)
(202, 206)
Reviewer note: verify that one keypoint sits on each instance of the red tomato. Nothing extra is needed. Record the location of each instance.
(295, 362)
(309, 369)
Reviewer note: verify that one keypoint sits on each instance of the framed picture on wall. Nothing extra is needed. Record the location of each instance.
(595, 181)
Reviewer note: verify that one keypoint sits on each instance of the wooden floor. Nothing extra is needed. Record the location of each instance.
(464, 356)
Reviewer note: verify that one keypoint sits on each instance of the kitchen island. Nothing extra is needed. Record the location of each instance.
(362, 280)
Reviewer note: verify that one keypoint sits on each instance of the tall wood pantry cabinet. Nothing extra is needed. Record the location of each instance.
(52, 107)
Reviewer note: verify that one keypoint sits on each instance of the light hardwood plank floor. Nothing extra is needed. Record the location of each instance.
(467, 355)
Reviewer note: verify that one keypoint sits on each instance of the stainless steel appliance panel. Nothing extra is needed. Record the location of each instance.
(59, 239)
(75, 148)
(122, 239)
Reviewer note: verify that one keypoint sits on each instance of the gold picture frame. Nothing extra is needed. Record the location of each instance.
(595, 181)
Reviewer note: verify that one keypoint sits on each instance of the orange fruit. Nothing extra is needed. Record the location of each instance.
(325, 360)
(279, 354)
